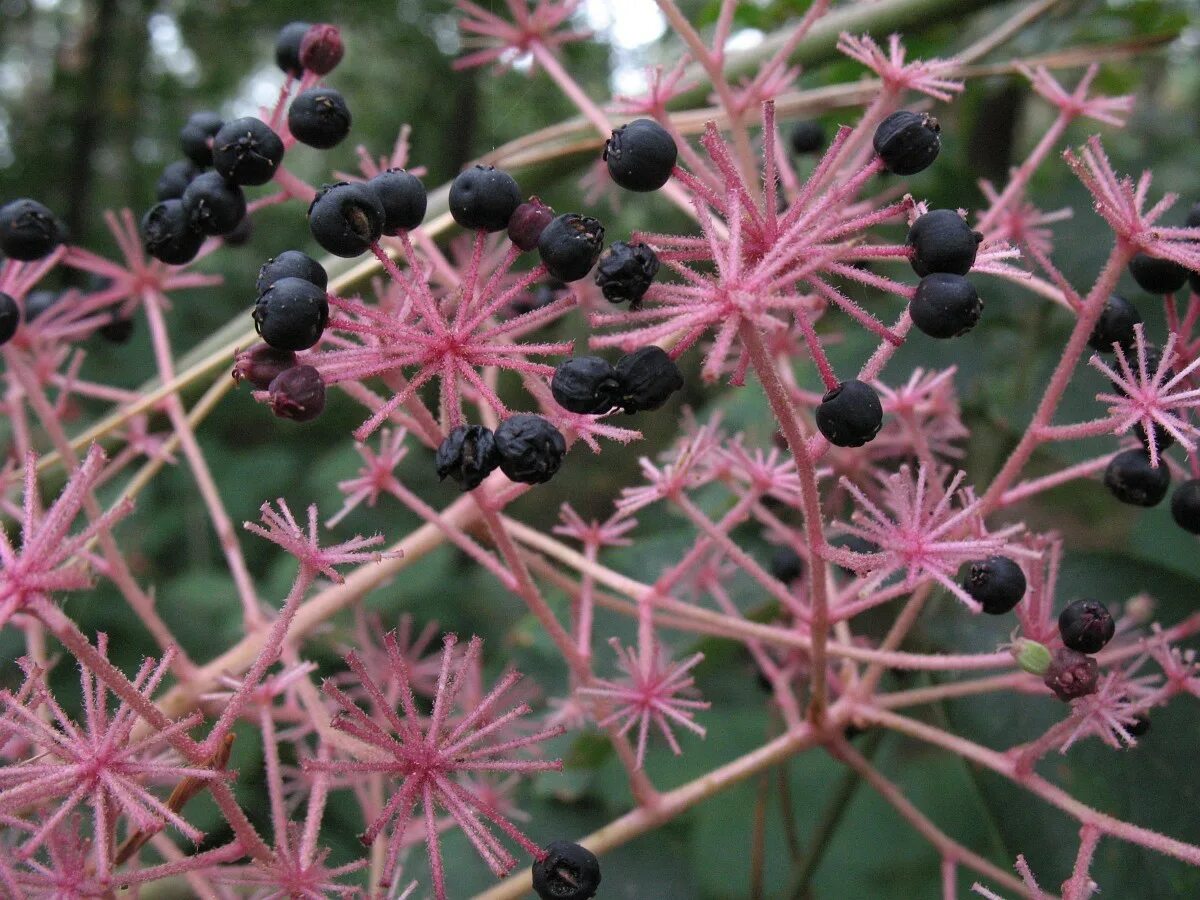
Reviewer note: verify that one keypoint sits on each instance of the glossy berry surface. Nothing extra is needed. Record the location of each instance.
(1115, 325)
(1086, 626)
(484, 197)
(174, 179)
(291, 314)
(587, 385)
(625, 272)
(1131, 479)
(468, 455)
(168, 235)
(531, 449)
(291, 264)
(403, 197)
(945, 306)
(786, 564)
(246, 151)
(1071, 674)
(807, 136)
(527, 223)
(196, 136)
(907, 142)
(570, 245)
(28, 230)
(641, 155)
(297, 393)
(648, 377)
(287, 47)
(942, 241)
(346, 218)
(261, 364)
(319, 117)
(1185, 505)
(10, 317)
(214, 205)
(567, 872)
(1157, 276)
(850, 415)
(996, 582)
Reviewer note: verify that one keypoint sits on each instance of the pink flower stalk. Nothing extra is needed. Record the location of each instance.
(282, 528)
(609, 533)
(376, 475)
(1120, 698)
(925, 76)
(1077, 104)
(288, 876)
(921, 416)
(507, 41)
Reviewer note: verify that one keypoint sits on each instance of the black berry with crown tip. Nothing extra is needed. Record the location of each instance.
(945, 306)
(850, 415)
(28, 230)
(468, 455)
(625, 272)
(319, 117)
(291, 264)
(908, 142)
(997, 583)
(214, 205)
(641, 155)
(1115, 325)
(648, 377)
(175, 179)
(10, 317)
(297, 393)
(346, 219)
(786, 564)
(484, 197)
(403, 197)
(531, 449)
(168, 235)
(1132, 479)
(1157, 276)
(196, 135)
(1185, 505)
(587, 385)
(287, 47)
(570, 245)
(1071, 674)
(291, 314)
(1086, 626)
(261, 364)
(246, 151)
(942, 241)
(807, 136)
(567, 872)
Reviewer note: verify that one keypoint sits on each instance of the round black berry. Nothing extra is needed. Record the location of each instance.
(1071, 674)
(1132, 479)
(1115, 325)
(945, 306)
(648, 377)
(196, 136)
(291, 264)
(1086, 626)
(786, 564)
(174, 179)
(291, 314)
(403, 198)
(625, 272)
(247, 151)
(287, 47)
(585, 384)
(468, 455)
(942, 241)
(641, 155)
(531, 449)
(850, 415)
(1185, 505)
(168, 235)
(484, 197)
(997, 583)
(214, 205)
(10, 317)
(261, 364)
(567, 872)
(807, 136)
(319, 117)
(346, 219)
(28, 230)
(1157, 276)
(1139, 726)
(1162, 438)
(240, 233)
(118, 329)
(907, 142)
(570, 245)
(297, 393)
(527, 223)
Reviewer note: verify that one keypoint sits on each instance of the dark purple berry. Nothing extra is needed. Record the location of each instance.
(468, 455)
(291, 314)
(297, 393)
(10, 317)
(1139, 726)
(786, 564)
(196, 136)
(850, 415)
(527, 223)
(1115, 325)
(570, 245)
(1157, 276)
(291, 264)
(118, 330)
(261, 364)
(214, 205)
(641, 155)
(625, 272)
(907, 142)
(484, 197)
(287, 47)
(174, 179)
(587, 385)
(942, 241)
(28, 230)
(241, 233)
(997, 583)
(531, 449)
(1162, 438)
(1132, 479)
(168, 235)
(247, 151)
(1086, 626)
(346, 219)
(945, 306)
(807, 136)
(648, 377)
(403, 198)
(319, 117)
(321, 49)
(1185, 505)
(1071, 674)
(567, 872)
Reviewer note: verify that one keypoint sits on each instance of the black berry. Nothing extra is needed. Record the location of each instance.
(585, 384)
(484, 197)
(807, 136)
(850, 415)
(945, 306)
(1132, 479)
(942, 241)
(287, 47)
(346, 219)
(997, 583)
(1162, 438)
(648, 377)
(196, 136)
(567, 872)
(174, 179)
(241, 232)
(1071, 674)
(28, 230)
(297, 393)
(319, 117)
(907, 142)
(291, 314)
(468, 455)
(625, 272)
(1157, 276)
(291, 264)
(1185, 505)
(117, 330)
(570, 245)
(1139, 726)
(531, 449)
(10, 317)
(641, 155)
(168, 235)
(261, 364)
(786, 564)
(403, 198)
(527, 223)
(214, 205)
(1115, 325)
(1086, 626)
(247, 151)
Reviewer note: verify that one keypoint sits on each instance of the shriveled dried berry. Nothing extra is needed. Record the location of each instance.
(261, 364)
(1157, 276)
(570, 245)
(567, 872)
(247, 151)
(1086, 626)
(291, 314)
(997, 583)
(648, 377)
(291, 264)
(196, 136)
(28, 230)
(168, 235)
(527, 223)
(403, 197)
(942, 241)
(641, 155)
(297, 393)
(319, 117)
(1132, 479)
(346, 218)
(468, 455)
(484, 197)
(1115, 325)
(1071, 674)
(587, 385)
(851, 414)
(625, 272)
(531, 449)
(907, 142)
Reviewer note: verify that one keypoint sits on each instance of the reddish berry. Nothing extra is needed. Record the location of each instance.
(527, 223)
(261, 364)
(1071, 674)
(321, 49)
(297, 393)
